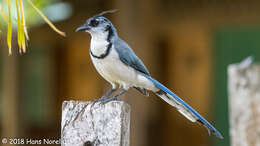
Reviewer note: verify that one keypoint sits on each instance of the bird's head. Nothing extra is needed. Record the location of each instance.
(98, 26)
(95, 24)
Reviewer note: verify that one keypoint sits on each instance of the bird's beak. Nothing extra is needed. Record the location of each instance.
(83, 28)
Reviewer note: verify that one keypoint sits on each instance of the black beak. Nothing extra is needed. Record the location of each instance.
(83, 28)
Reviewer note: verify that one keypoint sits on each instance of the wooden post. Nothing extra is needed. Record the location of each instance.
(86, 123)
(244, 104)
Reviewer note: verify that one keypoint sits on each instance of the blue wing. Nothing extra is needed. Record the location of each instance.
(128, 57)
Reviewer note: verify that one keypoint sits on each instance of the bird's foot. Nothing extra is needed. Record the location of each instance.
(104, 98)
(115, 98)
(101, 99)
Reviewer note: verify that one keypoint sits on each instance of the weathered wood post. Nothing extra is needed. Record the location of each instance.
(88, 123)
(244, 104)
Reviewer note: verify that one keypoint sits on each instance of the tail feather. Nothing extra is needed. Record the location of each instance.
(182, 106)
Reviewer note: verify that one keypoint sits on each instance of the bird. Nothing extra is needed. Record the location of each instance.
(117, 63)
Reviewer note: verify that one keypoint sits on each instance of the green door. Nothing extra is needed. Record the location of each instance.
(231, 45)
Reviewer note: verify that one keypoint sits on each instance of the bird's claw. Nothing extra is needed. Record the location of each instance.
(115, 98)
(104, 99)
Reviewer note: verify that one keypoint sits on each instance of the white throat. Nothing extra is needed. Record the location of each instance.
(99, 43)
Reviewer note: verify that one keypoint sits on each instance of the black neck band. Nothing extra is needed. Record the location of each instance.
(102, 56)
(110, 34)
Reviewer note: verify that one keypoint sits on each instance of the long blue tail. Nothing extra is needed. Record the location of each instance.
(182, 106)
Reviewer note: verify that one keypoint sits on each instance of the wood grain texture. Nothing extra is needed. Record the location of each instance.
(89, 123)
(244, 101)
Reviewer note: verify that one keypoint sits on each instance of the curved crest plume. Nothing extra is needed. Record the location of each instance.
(106, 12)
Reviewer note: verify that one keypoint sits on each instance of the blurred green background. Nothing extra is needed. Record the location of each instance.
(186, 44)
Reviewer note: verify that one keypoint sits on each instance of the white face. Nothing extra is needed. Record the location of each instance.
(99, 28)
(97, 25)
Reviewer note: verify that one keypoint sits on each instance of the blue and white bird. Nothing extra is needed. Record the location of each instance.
(117, 63)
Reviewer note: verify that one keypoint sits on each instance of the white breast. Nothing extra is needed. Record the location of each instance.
(114, 70)
(98, 47)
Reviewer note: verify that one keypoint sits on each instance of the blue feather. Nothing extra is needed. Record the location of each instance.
(196, 114)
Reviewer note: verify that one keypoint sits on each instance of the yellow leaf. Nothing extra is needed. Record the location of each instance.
(47, 20)
(23, 19)
(23, 28)
(9, 31)
(20, 29)
(18, 26)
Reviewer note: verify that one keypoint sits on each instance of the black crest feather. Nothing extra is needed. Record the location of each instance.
(106, 12)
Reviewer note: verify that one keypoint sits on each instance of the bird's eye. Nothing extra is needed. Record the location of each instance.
(94, 23)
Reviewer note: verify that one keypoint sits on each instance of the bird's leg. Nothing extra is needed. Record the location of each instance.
(104, 98)
(108, 93)
(119, 94)
(115, 97)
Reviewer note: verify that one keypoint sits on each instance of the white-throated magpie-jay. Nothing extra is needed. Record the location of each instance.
(116, 62)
